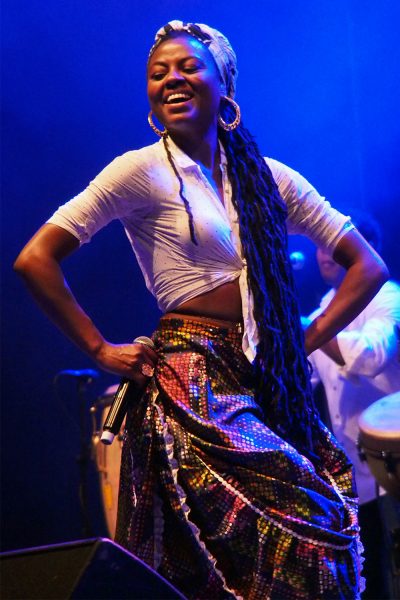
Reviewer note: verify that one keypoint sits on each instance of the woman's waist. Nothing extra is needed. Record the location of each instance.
(176, 288)
(222, 303)
(179, 332)
(215, 325)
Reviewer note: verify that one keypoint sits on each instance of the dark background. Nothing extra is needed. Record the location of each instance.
(319, 88)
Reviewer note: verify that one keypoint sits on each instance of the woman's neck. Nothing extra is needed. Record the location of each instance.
(204, 150)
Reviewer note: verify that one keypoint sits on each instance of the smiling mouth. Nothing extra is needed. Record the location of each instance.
(177, 98)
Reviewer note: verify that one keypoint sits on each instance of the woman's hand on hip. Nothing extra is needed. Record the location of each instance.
(134, 361)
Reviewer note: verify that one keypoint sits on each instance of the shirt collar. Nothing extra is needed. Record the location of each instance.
(184, 161)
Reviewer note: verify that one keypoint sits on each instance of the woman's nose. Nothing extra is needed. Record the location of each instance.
(173, 78)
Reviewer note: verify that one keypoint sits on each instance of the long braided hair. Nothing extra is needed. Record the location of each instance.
(283, 389)
(282, 371)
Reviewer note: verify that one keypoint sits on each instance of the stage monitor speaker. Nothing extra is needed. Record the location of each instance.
(87, 569)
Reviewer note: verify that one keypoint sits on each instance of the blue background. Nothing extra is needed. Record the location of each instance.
(318, 86)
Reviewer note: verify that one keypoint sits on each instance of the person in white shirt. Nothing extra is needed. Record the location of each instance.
(230, 485)
(359, 366)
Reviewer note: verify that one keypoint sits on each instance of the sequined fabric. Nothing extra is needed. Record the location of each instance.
(213, 499)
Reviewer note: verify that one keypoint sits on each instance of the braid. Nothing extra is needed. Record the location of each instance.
(283, 382)
(185, 200)
(282, 371)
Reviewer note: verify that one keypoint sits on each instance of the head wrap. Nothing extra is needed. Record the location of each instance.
(219, 46)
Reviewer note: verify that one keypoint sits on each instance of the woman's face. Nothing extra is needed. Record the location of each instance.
(331, 272)
(184, 86)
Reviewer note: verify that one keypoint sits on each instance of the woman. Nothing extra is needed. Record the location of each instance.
(230, 486)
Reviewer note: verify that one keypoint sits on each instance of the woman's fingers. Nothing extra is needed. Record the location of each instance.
(134, 361)
(149, 354)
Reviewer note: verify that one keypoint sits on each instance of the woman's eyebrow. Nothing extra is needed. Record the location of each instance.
(165, 64)
(158, 63)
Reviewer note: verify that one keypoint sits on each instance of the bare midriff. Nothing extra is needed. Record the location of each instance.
(223, 302)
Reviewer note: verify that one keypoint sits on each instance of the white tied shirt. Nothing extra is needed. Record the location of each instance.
(141, 189)
(370, 349)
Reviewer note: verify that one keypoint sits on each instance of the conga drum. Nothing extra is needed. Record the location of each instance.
(108, 460)
(379, 441)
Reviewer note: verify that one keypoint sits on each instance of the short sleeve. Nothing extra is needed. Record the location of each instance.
(309, 213)
(367, 350)
(121, 189)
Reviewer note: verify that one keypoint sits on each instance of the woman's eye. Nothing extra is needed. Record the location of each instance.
(157, 76)
(191, 68)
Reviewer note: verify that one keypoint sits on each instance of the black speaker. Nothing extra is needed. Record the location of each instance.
(87, 569)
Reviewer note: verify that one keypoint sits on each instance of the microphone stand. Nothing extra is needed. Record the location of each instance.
(83, 460)
(84, 378)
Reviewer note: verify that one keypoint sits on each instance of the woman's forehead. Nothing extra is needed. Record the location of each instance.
(182, 43)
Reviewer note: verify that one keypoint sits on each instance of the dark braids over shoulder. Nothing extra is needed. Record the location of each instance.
(284, 389)
(184, 199)
(282, 370)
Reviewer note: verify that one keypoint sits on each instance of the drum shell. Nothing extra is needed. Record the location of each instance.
(379, 442)
(108, 462)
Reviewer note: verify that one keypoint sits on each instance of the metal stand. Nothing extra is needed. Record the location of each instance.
(390, 516)
(84, 378)
(83, 459)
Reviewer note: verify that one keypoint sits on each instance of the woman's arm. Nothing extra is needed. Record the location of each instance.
(39, 266)
(366, 273)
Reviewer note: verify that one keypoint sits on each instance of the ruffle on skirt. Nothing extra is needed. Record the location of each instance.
(213, 499)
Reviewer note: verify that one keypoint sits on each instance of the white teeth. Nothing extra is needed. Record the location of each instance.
(173, 97)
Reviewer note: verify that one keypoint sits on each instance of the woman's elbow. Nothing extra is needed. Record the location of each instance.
(354, 253)
(378, 271)
(32, 259)
(25, 262)
(21, 263)
(48, 247)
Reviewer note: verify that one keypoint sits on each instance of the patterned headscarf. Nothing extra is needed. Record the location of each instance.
(216, 42)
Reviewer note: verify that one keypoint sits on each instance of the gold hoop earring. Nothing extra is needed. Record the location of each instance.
(160, 133)
(235, 123)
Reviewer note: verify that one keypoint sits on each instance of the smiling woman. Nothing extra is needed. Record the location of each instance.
(184, 88)
(230, 485)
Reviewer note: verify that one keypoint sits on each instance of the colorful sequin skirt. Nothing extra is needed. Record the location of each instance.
(213, 499)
